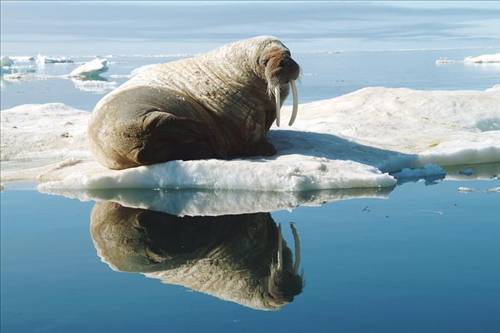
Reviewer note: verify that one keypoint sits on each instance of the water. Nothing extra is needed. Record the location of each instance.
(341, 47)
(425, 259)
(420, 257)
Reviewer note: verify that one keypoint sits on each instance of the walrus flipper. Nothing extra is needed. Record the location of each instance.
(261, 148)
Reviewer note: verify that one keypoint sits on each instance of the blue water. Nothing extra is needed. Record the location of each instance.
(425, 259)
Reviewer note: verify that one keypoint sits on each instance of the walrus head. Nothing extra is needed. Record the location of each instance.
(279, 70)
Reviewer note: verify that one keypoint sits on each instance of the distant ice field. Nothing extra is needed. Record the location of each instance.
(324, 74)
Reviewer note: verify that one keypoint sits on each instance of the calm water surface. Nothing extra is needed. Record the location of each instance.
(422, 257)
(425, 258)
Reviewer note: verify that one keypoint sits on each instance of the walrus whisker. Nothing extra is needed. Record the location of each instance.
(278, 104)
(295, 102)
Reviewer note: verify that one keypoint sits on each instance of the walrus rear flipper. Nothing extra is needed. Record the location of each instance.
(168, 137)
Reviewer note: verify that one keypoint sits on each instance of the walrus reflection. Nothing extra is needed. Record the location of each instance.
(239, 258)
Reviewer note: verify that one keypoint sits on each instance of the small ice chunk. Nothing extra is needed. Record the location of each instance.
(444, 61)
(91, 69)
(484, 59)
(464, 189)
(41, 59)
(23, 58)
(5, 61)
(494, 189)
(429, 170)
(466, 172)
(95, 86)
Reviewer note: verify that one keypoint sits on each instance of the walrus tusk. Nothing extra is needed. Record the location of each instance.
(278, 104)
(280, 248)
(295, 102)
(296, 241)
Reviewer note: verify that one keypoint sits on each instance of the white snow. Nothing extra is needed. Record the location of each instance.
(483, 59)
(91, 68)
(351, 141)
(36, 135)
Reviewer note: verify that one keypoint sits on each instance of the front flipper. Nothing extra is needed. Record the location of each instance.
(261, 148)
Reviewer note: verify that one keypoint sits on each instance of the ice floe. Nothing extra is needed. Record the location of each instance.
(464, 189)
(41, 59)
(428, 171)
(6, 61)
(444, 61)
(484, 59)
(37, 135)
(95, 86)
(351, 141)
(23, 59)
(91, 69)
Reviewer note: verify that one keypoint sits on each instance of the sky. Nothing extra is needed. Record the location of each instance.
(186, 27)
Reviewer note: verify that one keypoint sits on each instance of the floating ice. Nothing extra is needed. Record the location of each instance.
(351, 141)
(5, 61)
(444, 61)
(493, 189)
(90, 69)
(429, 170)
(95, 86)
(483, 59)
(464, 189)
(41, 59)
(40, 134)
(23, 59)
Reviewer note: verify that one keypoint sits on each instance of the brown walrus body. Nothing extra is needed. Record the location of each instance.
(216, 105)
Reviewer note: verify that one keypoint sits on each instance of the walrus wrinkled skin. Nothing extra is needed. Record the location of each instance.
(219, 104)
(239, 258)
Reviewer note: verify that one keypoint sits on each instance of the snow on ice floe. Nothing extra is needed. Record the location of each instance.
(90, 69)
(40, 134)
(351, 141)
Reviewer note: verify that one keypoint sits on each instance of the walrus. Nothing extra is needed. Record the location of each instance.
(219, 104)
(239, 258)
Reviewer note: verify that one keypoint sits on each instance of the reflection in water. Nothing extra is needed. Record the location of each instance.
(239, 258)
(219, 202)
